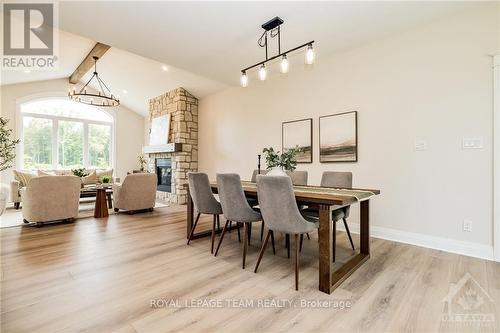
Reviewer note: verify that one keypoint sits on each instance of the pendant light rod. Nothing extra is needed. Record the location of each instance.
(278, 55)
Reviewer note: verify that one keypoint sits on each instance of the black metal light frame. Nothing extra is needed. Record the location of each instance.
(104, 97)
(274, 24)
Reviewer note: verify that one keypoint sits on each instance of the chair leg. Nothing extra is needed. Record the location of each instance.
(249, 233)
(16, 205)
(308, 237)
(239, 235)
(230, 225)
(297, 261)
(301, 241)
(213, 233)
(218, 222)
(272, 241)
(262, 231)
(348, 233)
(262, 250)
(246, 230)
(287, 242)
(221, 238)
(194, 226)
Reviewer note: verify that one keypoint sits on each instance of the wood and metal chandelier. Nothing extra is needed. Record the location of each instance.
(103, 97)
(272, 30)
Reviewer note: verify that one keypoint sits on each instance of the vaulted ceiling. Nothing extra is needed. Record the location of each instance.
(203, 45)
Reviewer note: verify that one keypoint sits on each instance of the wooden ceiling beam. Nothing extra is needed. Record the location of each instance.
(97, 51)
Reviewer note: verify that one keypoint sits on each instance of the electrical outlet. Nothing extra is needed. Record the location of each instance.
(420, 145)
(467, 226)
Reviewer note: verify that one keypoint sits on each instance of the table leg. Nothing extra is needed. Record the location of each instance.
(364, 232)
(325, 248)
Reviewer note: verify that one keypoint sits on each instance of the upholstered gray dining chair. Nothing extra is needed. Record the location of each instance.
(256, 172)
(336, 179)
(281, 213)
(299, 178)
(204, 201)
(235, 208)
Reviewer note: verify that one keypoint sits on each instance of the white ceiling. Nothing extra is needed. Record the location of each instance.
(218, 39)
(211, 41)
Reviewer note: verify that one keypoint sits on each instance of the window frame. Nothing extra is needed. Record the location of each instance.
(55, 132)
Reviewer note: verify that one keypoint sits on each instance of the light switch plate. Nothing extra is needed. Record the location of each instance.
(472, 143)
(467, 226)
(420, 145)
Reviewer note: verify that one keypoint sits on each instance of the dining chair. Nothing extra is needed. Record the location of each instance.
(235, 208)
(299, 178)
(256, 172)
(336, 179)
(204, 202)
(281, 213)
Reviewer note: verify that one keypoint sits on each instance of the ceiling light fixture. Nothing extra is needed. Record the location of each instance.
(272, 29)
(103, 97)
(164, 68)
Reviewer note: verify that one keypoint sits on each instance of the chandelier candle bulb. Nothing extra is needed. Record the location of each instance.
(310, 55)
(244, 79)
(262, 72)
(284, 64)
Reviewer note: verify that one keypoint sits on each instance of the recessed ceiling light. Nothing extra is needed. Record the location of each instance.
(27, 71)
(164, 68)
(124, 91)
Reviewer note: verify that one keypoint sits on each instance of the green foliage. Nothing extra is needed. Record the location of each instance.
(70, 144)
(7, 145)
(99, 145)
(286, 160)
(105, 179)
(37, 143)
(80, 172)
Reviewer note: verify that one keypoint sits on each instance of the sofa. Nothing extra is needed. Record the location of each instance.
(22, 178)
(51, 198)
(137, 192)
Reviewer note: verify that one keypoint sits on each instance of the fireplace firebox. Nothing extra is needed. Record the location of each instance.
(164, 174)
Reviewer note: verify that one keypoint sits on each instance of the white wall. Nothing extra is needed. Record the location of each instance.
(129, 126)
(433, 83)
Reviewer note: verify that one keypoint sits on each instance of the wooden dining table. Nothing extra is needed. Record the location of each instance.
(325, 200)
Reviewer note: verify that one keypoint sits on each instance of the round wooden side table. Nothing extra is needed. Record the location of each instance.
(101, 205)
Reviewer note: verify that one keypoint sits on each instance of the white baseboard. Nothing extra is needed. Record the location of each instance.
(432, 242)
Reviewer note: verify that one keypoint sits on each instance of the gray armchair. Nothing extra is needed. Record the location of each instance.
(299, 178)
(281, 213)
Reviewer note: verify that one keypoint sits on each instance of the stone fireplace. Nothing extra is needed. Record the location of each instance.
(173, 161)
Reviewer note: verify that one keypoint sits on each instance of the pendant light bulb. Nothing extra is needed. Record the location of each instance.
(262, 72)
(244, 79)
(310, 55)
(284, 64)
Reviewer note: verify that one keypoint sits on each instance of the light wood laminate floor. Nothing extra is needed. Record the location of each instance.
(102, 275)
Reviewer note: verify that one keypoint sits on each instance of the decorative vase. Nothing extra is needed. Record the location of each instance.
(4, 193)
(276, 171)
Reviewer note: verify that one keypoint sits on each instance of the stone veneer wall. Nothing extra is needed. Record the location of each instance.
(183, 110)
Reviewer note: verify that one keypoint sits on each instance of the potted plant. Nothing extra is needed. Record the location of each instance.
(7, 156)
(80, 172)
(279, 163)
(142, 163)
(105, 180)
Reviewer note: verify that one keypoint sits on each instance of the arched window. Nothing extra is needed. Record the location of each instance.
(58, 133)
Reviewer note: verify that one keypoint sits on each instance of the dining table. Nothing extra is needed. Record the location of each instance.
(325, 200)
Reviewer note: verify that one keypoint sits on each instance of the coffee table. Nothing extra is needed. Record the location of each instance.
(91, 192)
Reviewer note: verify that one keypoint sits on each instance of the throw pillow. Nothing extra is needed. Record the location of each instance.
(90, 178)
(23, 177)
